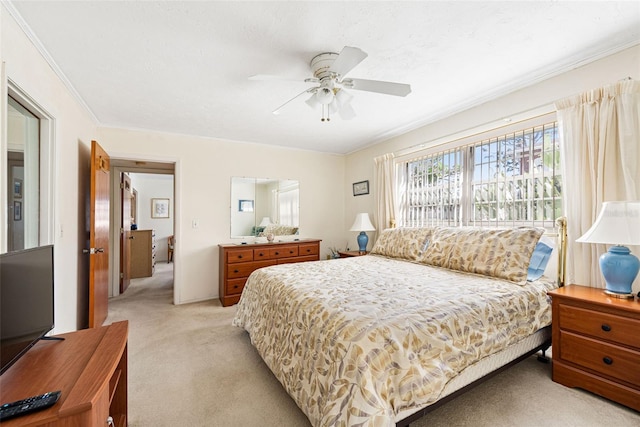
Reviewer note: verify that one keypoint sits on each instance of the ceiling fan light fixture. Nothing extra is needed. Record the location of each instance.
(333, 107)
(312, 101)
(343, 97)
(325, 96)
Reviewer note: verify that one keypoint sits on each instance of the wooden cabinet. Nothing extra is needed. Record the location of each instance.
(89, 367)
(237, 262)
(143, 253)
(596, 345)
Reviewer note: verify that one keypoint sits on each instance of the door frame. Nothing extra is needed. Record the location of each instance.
(124, 163)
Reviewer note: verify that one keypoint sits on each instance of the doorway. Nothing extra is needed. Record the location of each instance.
(151, 182)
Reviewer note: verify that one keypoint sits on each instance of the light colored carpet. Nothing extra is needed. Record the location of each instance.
(188, 366)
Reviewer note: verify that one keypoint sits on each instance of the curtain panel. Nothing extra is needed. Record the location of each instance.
(385, 189)
(600, 151)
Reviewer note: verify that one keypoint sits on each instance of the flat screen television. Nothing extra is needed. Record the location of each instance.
(26, 301)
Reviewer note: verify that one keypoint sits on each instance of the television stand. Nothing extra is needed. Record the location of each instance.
(89, 367)
(52, 338)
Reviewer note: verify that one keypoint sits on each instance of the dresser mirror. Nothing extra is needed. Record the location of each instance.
(261, 206)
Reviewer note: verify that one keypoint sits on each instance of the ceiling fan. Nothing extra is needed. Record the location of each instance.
(329, 71)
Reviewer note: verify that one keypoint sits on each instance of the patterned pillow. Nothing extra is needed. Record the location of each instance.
(280, 230)
(404, 243)
(502, 253)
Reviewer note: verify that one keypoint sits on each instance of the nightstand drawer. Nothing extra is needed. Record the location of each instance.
(606, 326)
(607, 359)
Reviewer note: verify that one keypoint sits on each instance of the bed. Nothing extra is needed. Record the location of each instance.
(381, 339)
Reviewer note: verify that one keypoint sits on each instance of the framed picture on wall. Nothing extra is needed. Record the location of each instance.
(159, 208)
(360, 188)
(245, 205)
(17, 188)
(17, 211)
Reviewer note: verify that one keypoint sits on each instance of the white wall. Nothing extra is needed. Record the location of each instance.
(154, 186)
(204, 167)
(74, 128)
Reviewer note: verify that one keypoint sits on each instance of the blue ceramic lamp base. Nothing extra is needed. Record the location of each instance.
(363, 239)
(619, 268)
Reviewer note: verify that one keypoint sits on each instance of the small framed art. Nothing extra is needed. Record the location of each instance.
(17, 211)
(159, 208)
(360, 188)
(17, 188)
(245, 205)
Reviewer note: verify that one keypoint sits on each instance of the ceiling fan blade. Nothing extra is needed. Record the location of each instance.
(277, 110)
(347, 60)
(388, 88)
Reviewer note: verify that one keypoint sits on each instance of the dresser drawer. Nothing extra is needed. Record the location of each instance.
(244, 269)
(240, 255)
(605, 326)
(604, 358)
(297, 259)
(235, 286)
(284, 251)
(263, 253)
(309, 249)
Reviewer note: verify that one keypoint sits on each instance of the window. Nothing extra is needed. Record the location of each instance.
(510, 179)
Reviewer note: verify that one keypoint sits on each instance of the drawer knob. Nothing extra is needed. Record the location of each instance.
(235, 286)
(240, 256)
(606, 327)
(236, 271)
(277, 253)
(607, 360)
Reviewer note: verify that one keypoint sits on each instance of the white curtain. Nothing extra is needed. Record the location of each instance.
(600, 148)
(385, 198)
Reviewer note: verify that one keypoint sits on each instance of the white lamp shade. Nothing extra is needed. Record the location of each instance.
(362, 223)
(617, 224)
(265, 221)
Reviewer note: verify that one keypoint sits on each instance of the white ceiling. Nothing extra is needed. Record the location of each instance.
(183, 67)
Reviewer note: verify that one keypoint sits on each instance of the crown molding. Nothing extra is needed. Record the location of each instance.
(9, 7)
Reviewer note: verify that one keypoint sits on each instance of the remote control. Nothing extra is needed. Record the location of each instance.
(28, 405)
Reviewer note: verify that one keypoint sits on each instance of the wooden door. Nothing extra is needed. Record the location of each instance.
(126, 197)
(99, 236)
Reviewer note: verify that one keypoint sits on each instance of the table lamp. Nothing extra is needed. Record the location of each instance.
(617, 224)
(362, 224)
(265, 221)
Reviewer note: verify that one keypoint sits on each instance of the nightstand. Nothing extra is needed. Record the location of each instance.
(596, 343)
(349, 254)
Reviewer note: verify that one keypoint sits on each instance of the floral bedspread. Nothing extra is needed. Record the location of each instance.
(356, 340)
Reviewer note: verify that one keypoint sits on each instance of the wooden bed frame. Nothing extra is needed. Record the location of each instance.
(561, 237)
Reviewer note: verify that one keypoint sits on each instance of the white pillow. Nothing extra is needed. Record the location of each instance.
(551, 271)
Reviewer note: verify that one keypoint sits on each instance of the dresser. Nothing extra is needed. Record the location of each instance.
(143, 253)
(238, 261)
(596, 343)
(89, 367)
